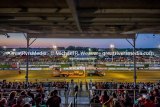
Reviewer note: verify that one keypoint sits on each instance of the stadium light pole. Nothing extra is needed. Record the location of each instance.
(54, 48)
(27, 65)
(112, 46)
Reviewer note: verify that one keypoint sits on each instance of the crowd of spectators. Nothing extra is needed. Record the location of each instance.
(111, 94)
(58, 59)
(20, 94)
(107, 94)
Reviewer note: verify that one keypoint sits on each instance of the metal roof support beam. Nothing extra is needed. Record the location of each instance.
(134, 62)
(81, 35)
(27, 60)
(72, 6)
(32, 10)
(135, 71)
(27, 63)
(122, 11)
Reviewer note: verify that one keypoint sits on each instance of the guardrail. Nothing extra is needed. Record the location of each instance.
(91, 63)
(78, 80)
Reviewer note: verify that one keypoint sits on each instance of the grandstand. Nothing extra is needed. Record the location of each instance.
(27, 79)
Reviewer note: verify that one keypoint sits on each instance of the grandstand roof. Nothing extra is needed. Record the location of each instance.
(80, 18)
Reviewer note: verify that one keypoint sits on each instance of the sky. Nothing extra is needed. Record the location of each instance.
(18, 40)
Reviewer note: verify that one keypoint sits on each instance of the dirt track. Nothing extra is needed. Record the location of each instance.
(121, 76)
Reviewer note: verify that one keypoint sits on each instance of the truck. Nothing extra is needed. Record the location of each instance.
(95, 73)
(57, 72)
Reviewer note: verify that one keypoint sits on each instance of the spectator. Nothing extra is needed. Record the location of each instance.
(81, 84)
(148, 102)
(76, 88)
(115, 102)
(3, 102)
(30, 94)
(104, 99)
(71, 87)
(19, 102)
(39, 102)
(157, 102)
(90, 85)
(0, 95)
(54, 101)
(26, 99)
(95, 99)
(12, 99)
(127, 100)
(27, 105)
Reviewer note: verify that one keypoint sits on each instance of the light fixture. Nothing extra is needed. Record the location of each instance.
(4, 47)
(7, 35)
(54, 47)
(111, 46)
(14, 49)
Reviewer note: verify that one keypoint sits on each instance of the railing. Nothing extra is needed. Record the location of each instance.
(70, 104)
(153, 80)
(74, 102)
(75, 99)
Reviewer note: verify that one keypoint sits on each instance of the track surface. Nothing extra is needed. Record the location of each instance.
(117, 76)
